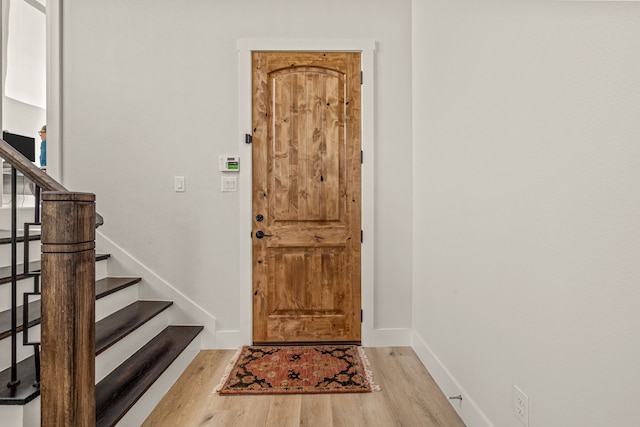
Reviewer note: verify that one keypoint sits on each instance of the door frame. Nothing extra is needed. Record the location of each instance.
(367, 49)
(54, 88)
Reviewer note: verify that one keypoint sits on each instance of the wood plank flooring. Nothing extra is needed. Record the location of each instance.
(409, 398)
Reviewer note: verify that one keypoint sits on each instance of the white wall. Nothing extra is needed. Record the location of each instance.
(23, 119)
(150, 91)
(26, 54)
(23, 69)
(527, 207)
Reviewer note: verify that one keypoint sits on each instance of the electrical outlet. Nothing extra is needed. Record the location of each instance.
(178, 184)
(521, 406)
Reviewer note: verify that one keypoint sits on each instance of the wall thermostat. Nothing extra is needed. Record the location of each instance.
(229, 163)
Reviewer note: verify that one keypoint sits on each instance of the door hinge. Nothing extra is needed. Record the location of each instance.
(248, 139)
(361, 157)
(361, 236)
(361, 77)
(361, 316)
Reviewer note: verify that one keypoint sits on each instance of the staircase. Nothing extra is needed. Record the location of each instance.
(139, 353)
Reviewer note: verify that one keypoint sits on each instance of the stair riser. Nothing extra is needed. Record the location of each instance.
(104, 307)
(29, 415)
(143, 407)
(101, 269)
(109, 359)
(21, 415)
(24, 285)
(22, 351)
(146, 342)
(114, 302)
(24, 214)
(5, 252)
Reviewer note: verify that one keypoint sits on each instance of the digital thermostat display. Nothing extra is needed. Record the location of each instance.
(229, 163)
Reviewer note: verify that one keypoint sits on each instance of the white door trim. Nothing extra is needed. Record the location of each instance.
(54, 89)
(367, 48)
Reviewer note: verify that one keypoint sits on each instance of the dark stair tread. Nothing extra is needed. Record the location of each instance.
(114, 327)
(5, 236)
(109, 285)
(118, 325)
(5, 272)
(34, 266)
(104, 287)
(122, 388)
(24, 392)
(5, 319)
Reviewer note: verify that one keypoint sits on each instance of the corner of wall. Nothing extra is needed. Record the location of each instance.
(228, 340)
(467, 409)
(392, 337)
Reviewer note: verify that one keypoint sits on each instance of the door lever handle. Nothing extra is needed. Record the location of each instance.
(260, 234)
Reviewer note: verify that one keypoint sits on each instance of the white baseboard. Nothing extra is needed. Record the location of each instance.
(392, 337)
(185, 311)
(467, 409)
(229, 340)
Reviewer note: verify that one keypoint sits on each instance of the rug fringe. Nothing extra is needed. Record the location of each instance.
(227, 370)
(369, 373)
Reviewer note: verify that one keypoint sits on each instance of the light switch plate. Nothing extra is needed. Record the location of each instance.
(178, 184)
(228, 183)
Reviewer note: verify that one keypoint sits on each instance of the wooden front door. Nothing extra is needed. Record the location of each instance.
(306, 197)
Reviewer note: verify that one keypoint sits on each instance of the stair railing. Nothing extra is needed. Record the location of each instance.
(68, 223)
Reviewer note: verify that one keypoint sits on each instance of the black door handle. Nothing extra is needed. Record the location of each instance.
(260, 234)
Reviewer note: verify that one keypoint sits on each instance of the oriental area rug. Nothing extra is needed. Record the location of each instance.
(298, 370)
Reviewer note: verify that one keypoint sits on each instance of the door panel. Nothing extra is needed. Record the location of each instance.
(306, 187)
(306, 173)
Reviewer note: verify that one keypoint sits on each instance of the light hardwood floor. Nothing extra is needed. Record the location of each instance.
(409, 398)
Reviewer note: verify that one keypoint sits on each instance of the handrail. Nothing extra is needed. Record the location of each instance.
(34, 173)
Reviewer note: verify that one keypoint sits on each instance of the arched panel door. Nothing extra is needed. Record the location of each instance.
(306, 197)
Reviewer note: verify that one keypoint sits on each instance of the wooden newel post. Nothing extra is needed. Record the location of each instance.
(68, 309)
